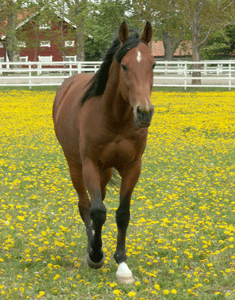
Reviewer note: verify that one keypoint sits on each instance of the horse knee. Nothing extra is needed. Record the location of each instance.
(98, 215)
(122, 218)
(84, 208)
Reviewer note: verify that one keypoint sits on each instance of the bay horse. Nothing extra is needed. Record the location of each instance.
(101, 122)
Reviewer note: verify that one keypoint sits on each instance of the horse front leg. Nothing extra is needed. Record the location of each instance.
(129, 179)
(84, 204)
(91, 173)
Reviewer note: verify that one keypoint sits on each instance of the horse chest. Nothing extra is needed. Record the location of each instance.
(117, 154)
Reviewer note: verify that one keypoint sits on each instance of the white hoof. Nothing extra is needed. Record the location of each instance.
(124, 274)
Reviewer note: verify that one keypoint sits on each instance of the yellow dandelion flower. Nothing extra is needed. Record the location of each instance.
(117, 292)
(56, 277)
(157, 287)
(131, 294)
(41, 294)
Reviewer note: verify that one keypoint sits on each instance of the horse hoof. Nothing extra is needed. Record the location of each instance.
(125, 279)
(124, 274)
(94, 265)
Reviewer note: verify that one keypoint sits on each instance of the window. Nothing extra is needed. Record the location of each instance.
(44, 26)
(23, 58)
(45, 58)
(70, 58)
(69, 43)
(1, 44)
(45, 44)
(21, 44)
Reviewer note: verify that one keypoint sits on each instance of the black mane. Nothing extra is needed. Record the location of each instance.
(99, 81)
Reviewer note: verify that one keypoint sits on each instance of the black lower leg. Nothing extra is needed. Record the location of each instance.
(85, 215)
(122, 219)
(98, 216)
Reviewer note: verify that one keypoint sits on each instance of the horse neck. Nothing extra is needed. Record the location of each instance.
(116, 109)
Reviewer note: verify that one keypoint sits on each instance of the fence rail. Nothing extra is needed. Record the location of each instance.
(195, 74)
(166, 73)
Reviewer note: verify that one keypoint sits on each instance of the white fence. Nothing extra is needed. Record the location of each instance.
(42, 73)
(182, 74)
(172, 74)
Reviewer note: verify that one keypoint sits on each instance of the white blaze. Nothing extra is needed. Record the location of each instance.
(139, 56)
(147, 104)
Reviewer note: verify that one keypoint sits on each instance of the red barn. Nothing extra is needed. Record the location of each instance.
(42, 41)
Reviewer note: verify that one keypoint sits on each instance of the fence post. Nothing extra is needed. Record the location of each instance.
(70, 69)
(79, 67)
(185, 76)
(229, 74)
(30, 75)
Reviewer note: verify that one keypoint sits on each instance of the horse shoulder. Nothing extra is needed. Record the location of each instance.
(67, 112)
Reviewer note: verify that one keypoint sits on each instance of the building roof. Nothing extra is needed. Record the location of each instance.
(184, 49)
(26, 15)
(22, 16)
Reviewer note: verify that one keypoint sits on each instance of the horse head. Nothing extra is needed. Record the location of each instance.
(136, 73)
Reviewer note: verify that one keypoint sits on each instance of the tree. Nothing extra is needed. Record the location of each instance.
(62, 30)
(25, 32)
(165, 18)
(220, 44)
(203, 17)
(9, 11)
(49, 16)
(101, 24)
(171, 24)
(77, 11)
(8, 16)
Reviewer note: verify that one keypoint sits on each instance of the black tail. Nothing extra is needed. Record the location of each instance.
(115, 180)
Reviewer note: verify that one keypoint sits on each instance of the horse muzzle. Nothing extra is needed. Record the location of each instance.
(143, 116)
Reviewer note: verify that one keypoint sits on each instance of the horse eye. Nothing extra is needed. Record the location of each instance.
(154, 65)
(124, 68)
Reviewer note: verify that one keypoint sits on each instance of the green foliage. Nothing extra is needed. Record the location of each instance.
(221, 44)
(97, 21)
(95, 45)
(101, 25)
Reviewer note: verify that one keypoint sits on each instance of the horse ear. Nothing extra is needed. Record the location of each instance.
(147, 33)
(123, 32)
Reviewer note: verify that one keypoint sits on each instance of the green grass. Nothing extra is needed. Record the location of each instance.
(33, 88)
(181, 235)
(190, 89)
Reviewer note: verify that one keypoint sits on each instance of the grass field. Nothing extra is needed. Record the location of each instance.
(181, 235)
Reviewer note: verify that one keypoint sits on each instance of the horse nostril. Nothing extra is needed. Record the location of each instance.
(141, 112)
(138, 110)
(144, 116)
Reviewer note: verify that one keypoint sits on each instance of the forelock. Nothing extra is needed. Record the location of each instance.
(130, 43)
